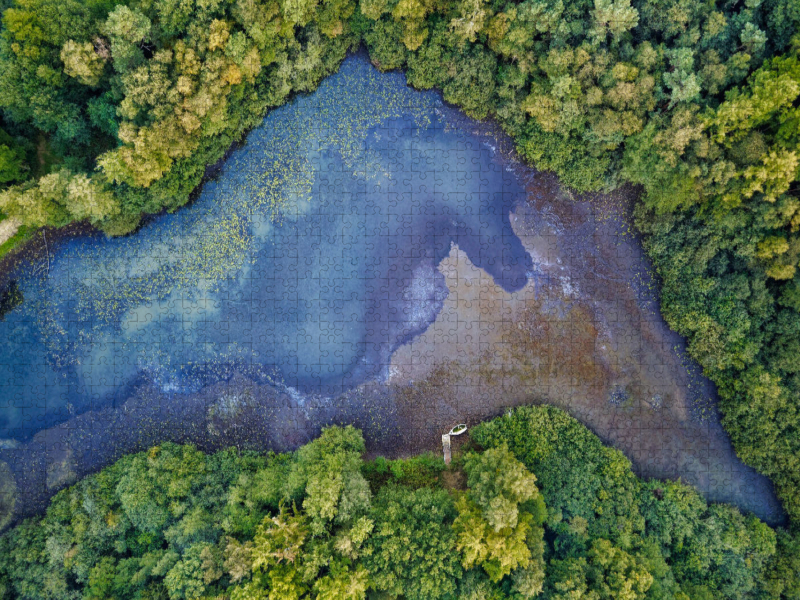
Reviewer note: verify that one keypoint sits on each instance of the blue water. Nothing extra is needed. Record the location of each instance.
(309, 259)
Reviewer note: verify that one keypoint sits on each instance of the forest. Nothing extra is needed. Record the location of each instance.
(533, 506)
(113, 110)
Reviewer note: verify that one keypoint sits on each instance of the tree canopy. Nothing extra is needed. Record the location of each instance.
(175, 523)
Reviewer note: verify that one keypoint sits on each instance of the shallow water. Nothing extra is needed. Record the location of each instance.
(363, 234)
(305, 263)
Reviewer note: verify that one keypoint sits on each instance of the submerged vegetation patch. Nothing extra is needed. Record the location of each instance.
(10, 298)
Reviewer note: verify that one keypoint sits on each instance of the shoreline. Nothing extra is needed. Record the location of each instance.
(574, 335)
(403, 415)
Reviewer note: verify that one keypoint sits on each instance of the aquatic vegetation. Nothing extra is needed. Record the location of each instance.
(305, 262)
(10, 298)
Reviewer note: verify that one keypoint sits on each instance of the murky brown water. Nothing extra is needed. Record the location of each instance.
(585, 335)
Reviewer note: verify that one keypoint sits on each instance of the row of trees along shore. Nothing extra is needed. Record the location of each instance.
(535, 506)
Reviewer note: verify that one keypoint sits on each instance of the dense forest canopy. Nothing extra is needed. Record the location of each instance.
(536, 507)
(113, 110)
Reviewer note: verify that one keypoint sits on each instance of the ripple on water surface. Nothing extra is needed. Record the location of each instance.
(306, 262)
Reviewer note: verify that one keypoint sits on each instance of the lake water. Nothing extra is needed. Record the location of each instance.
(305, 263)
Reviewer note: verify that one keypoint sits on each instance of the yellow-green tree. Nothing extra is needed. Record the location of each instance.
(492, 531)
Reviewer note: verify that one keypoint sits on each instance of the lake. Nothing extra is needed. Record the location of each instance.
(368, 255)
(307, 261)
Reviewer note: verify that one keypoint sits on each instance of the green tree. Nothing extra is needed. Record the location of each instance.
(498, 483)
(343, 583)
(12, 159)
(127, 29)
(186, 578)
(82, 62)
(607, 573)
(412, 550)
(498, 551)
(492, 531)
(328, 471)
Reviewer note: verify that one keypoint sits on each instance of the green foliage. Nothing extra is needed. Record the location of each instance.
(82, 62)
(385, 45)
(173, 523)
(12, 159)
(11, 164)
(412, 550)
(551, 152)
(493, 531)
(415, 472)
(783, 572)
(328, 472)
(616, 536)
(475, 585)
(151, 93)
(257, 491)
(578, 476)
(498, 484)
(498, 551)
(59, 197)
(343, 583)
(722, 231)
(606, 573)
